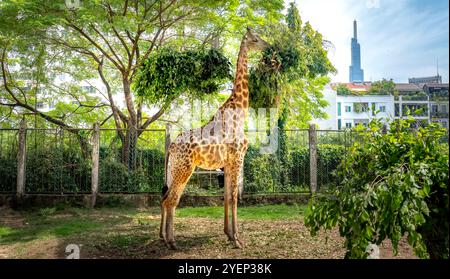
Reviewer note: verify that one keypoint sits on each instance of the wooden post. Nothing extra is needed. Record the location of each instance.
(95, 163)
(166, 151)
(21, 158)
(313, 157)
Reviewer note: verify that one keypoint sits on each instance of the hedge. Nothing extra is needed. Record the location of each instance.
(65, 170)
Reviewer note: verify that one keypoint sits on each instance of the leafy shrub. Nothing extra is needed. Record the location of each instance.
(329, 156)
(8, 173)
(261, 171)
(114, 176)
(57, 170)
(394, 185)
(65, 170)
(300, 171)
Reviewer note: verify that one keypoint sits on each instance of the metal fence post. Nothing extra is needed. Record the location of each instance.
(95, 162)
(313, 157)
(21, 158)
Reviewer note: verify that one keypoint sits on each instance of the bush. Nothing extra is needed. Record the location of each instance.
(261, 171)
(8, 173)
(114, 176)
(263, 174)
(394, 185)
(57, 170)
(63, 169)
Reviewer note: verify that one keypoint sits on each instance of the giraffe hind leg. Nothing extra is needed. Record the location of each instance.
(162, 230)
(181, 175)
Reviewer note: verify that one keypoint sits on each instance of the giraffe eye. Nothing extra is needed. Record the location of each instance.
(255, 40)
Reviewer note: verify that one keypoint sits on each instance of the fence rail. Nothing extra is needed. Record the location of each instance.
(38, 161)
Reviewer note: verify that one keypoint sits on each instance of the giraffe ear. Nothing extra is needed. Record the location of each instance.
(249, 29)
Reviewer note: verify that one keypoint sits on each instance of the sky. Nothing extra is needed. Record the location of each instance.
(399, 39)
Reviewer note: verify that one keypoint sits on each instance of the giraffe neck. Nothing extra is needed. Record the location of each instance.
(240, 91)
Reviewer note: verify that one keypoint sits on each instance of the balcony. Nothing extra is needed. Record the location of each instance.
(412, 98)
(438, 114)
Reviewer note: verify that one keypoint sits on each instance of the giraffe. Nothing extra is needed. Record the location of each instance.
(221, 143)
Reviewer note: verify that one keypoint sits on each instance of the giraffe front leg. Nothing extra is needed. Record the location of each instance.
(170, 242)
(227, 198)
(234, 196)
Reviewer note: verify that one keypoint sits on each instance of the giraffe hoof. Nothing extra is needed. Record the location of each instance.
(230, 237)
(172, 246)
(238, 244)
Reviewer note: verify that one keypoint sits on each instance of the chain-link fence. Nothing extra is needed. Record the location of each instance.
(57, 161)
(142, 172)
(8, 159)
(60, 161)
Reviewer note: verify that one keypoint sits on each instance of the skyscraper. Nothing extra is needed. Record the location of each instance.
(356, 73)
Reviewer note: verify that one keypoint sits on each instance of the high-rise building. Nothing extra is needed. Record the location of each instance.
(356, 73)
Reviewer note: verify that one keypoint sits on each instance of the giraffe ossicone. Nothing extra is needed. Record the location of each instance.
(221, 143)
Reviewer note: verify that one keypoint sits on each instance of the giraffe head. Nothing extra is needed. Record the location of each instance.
(254, 42)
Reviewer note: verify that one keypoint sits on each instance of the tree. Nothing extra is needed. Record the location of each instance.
(394, 184)
(342, 89)
(291, 76)
(111, 39)
(383, 87)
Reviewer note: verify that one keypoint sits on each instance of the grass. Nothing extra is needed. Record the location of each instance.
(45, 228)
(262, 212)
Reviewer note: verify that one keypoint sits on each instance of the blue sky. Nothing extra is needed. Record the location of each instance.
(399, 38)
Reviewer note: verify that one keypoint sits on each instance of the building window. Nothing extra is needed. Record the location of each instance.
(360, 107)
(339, 109)
(382, 108)
(397, 110)
(40, 105)
(348, 109)
(434, 108)
(348, 125)
(339, 124)
(51, 104)
(89, 89)
(443, 108)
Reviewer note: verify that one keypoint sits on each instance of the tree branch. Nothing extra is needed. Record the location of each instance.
(87, 37)
(117, 114)
(108, 44)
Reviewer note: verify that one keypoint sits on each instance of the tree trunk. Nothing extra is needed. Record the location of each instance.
(129, 147)
(84, 145)
(282, 151)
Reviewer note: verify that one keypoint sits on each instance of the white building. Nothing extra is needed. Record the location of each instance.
(426, 103)
(346, 111)
(354, 110)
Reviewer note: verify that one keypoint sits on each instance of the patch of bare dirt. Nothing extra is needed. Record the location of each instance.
(137, 236)
(11, 218)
